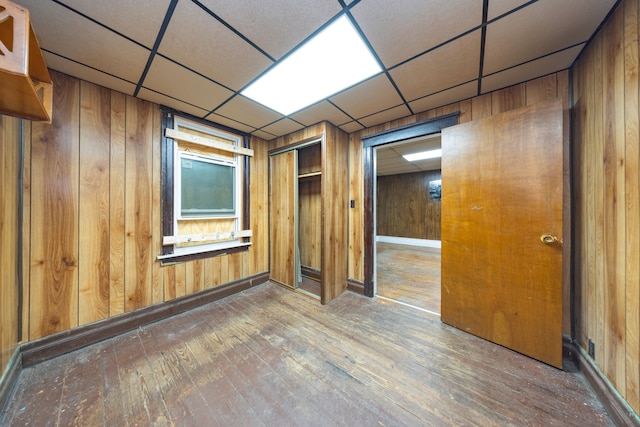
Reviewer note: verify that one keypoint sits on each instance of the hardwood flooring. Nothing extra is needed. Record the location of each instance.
(409, 274)
(311, 286)
(271, 357)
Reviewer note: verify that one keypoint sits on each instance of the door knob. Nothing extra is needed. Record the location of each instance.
(548, 239)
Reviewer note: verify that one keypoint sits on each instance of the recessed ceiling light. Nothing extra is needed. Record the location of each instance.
(333, 60)
(423, 155)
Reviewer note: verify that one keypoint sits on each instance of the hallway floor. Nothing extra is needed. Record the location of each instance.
(409, 274)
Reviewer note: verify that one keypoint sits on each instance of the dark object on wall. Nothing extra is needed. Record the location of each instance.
(435, 190)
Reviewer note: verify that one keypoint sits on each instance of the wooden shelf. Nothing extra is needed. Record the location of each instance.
(26, 89)
(310, 175)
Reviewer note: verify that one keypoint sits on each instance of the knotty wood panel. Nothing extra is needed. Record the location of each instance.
(310, 159)
(138, 214)
(404, 207)
(473, 109)
(92, 218)
(10, 146)
(259, 207)
(93, 268)
(54, 214)
(335, 210)
(117, 153)
(310, 222)
(283, 218)
(607, 204)
(301, 135)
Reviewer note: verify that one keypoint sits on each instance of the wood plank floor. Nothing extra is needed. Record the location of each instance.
(272, 357)
(409, 274)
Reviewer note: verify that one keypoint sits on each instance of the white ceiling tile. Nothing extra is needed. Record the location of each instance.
(320, 112)
(386, 153)
(171, 79)
(89, 74)
(369, 97)
(200, 42)
(140, 19)
(264, 135)
(93, 45)
(531, 70)
(389, 160)
(351, 127)
(161, 99)
(385, 116)
(450, 65)
(400, 30)
(229, 123)
(539, 29)
(276, 26)
(446, 97)
(282, 127)
(499, 7)
(248, 112)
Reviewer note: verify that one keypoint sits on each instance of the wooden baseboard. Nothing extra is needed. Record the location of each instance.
(312, 273)
(10, 377)
(619, 410)
(55, 345)
(355, 286)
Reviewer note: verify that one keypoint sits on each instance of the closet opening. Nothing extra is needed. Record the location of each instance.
(309, 211)
(308, 195)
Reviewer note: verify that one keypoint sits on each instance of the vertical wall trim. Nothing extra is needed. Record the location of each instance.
(19, 234)
(572, 215)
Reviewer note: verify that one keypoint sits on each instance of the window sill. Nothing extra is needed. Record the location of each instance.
(170, 259)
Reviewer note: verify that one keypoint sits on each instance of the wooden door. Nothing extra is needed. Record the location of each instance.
(283, 190)
(501, 211)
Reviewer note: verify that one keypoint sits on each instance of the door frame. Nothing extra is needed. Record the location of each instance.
(369, 143)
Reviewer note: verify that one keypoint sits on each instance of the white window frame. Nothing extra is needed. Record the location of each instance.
(237, 236)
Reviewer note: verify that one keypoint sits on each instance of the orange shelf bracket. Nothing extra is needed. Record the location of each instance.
(26, 89)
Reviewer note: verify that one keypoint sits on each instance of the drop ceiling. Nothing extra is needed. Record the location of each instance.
(196, 56)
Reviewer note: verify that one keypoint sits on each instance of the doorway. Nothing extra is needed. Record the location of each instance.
(369, 145)
(407, 222)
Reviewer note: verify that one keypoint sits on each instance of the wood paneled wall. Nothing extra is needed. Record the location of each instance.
(92, 214)
(310, 222)
(10, 148)
(527, 93)
(404, 207)
(606, 175)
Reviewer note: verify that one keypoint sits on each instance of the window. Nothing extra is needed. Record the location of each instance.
(205, 189)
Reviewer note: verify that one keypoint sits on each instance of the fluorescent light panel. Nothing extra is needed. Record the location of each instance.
(423, 155)
(333, 60)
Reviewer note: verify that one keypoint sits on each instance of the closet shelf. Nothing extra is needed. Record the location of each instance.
(26, 89)
(310, 175)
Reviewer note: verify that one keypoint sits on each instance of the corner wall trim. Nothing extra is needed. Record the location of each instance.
(9, 379)
(619, 410)
(56, 345)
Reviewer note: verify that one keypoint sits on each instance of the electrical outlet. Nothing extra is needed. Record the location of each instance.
(592, 349)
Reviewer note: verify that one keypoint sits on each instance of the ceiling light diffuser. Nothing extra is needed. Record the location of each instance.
(333, 60)
(423, 155)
